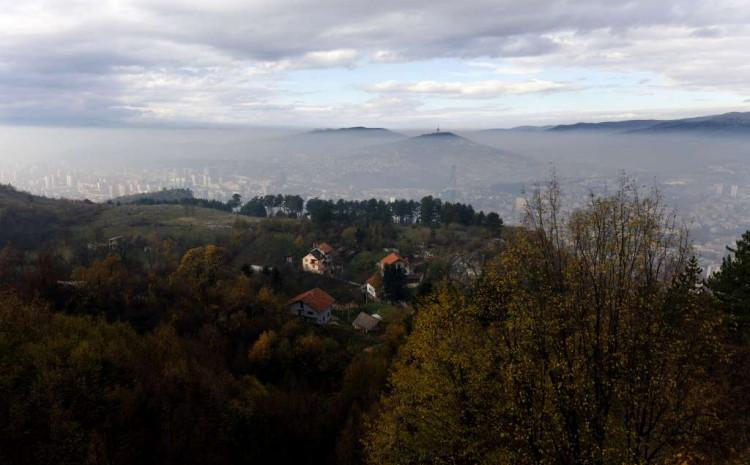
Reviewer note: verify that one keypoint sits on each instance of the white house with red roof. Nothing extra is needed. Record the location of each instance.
(393, 259)
(314, 305)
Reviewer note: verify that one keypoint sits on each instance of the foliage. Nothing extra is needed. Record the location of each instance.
(731, 285)
(589, 341)
(394, 283)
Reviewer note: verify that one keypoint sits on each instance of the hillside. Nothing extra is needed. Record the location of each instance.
(426, 161)
(336, 141)
(735, 123)
(28, 220)
(609, 126)
(147, 317)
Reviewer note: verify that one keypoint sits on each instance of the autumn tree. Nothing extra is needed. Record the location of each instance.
(590, 340)
(200, 267)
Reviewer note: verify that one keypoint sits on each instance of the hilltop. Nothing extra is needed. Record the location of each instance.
(426, 161)
(356, 130)
(164, 195)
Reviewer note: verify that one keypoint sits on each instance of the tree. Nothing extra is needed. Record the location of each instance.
(394, 283)
(199, 268)
(427, 210)
(235, 201)
(254, 207)
(588, 341)
(294, 204)
(731, 285)
(321, 211)
(10, 264)
(493, 221)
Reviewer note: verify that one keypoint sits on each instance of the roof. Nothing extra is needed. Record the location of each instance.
(317, 299)
(390, 259)
(316, 253)
(325, 248)
(375, 280)
(365, 321)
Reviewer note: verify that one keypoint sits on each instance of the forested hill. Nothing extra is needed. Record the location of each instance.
(164, 195)
(160, 333)
(28, 220)
(347, 333)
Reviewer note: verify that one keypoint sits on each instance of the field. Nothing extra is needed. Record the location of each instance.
(190, 224)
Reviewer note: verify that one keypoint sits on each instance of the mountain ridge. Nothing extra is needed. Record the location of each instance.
(724, 123)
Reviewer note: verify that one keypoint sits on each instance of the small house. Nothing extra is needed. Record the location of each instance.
(314, 305)
(393, 259)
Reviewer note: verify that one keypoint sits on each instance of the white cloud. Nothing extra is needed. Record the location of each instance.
(475, 89)
(346, 58)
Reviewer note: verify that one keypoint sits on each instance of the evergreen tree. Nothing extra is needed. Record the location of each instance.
(394, 283)
(731, 285)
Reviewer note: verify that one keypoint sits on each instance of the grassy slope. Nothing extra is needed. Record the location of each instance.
(172, 220)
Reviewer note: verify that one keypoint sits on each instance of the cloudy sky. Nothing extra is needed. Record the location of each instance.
(324, 63)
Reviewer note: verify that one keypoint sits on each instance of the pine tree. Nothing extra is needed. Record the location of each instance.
(731, 285)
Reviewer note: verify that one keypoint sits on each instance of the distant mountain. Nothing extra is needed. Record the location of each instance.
(357, 131)
(335, 141)
(736, 123)
(438, 147)
(608, 126)
(518, 129)
(727, 123)
(426, 161)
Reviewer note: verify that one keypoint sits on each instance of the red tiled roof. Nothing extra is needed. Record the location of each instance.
(317, 299)
(375, 280)
(390, 259)
(325, 248)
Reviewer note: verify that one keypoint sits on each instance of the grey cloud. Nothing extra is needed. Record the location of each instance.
(706, 32)
(106, 58)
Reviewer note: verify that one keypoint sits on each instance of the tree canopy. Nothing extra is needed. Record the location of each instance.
(590, 340)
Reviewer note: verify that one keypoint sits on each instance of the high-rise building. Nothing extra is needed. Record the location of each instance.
(520, 204)
(734, 191)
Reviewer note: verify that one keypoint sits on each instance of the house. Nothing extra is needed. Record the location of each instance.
(366, 323)
(114, 242)
(314, 305)
(374, 286)
(393, 259)
(315, 262)
(320, 260)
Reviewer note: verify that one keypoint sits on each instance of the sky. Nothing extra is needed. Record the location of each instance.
(399, 64)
